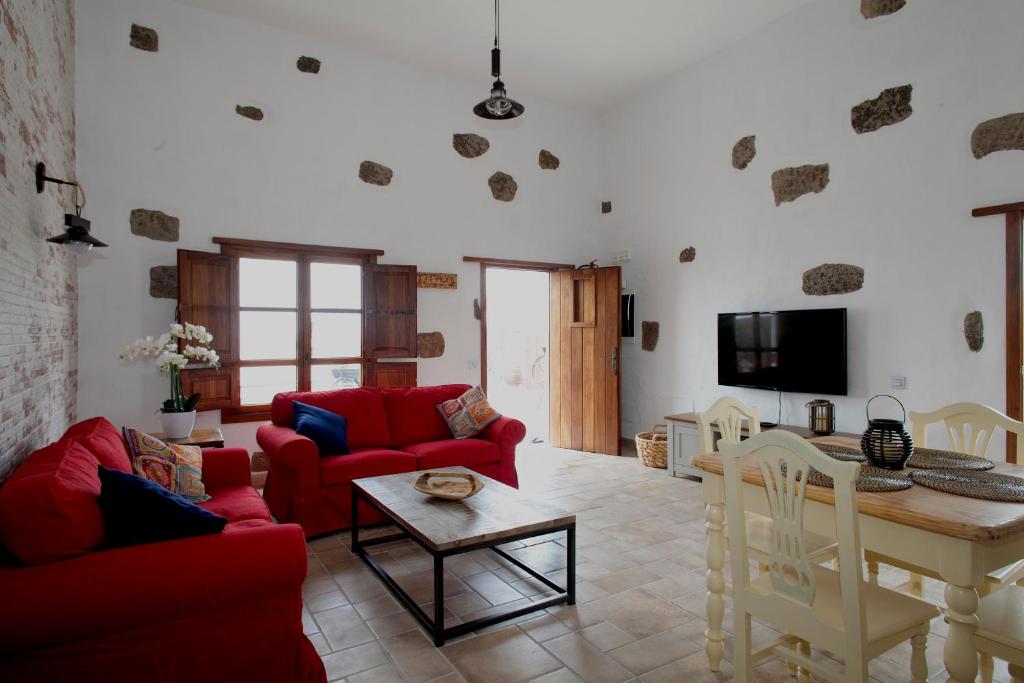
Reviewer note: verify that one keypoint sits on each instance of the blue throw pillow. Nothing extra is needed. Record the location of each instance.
(328, 431)
(137, 510)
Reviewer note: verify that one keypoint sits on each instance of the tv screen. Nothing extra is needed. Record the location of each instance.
(801, 351)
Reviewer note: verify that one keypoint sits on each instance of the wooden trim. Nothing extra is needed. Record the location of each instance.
(483, 326)
(1015, 207)
(292, 246)
(512, 263)
(234, 416)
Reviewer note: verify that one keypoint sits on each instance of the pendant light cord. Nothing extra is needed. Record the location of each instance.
(497, 23)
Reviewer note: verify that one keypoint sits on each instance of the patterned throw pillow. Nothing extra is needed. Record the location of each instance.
(179, 469)
(468, 414)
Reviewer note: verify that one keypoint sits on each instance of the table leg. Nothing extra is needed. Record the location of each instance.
(570, 565)
(355, 520)
(438, 600)
(960, 656)
(714, 602)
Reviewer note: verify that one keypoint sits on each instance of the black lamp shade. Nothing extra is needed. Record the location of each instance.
(76, 230)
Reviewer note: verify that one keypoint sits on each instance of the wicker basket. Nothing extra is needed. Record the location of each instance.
(652, 447)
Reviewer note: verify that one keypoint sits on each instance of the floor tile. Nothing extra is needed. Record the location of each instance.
(354, 660)
(501, 656)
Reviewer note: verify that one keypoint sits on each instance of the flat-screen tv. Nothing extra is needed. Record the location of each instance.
(800, 351)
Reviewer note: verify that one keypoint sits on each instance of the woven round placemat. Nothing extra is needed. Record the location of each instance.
(984, 485)
(932, 459)
(871, 480)
(845, 453)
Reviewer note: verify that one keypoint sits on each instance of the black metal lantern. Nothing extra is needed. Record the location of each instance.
(886, 442)
(821, 417)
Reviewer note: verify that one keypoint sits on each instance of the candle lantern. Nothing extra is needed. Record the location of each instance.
(885, 441)
(821, 417)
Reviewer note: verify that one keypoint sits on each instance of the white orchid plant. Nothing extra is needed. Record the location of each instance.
(173, 351)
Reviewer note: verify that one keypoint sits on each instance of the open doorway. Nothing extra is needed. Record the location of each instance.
(516, 346)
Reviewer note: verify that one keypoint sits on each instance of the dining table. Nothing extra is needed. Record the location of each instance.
(959, 538)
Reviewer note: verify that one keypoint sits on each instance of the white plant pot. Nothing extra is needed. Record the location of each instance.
(178, 425)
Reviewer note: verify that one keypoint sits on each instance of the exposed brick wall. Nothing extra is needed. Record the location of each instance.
(38, 281)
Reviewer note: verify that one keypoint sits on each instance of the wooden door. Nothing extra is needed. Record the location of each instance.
(393, 317)
(206, 294)
(584, 361)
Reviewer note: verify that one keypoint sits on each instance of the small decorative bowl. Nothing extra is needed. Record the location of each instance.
(449, 485)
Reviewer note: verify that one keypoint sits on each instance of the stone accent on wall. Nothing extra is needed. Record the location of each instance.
(688, 255)
(476, 309)
(833, 278)
(790, 183)
(470, 145)
(548, 161)
(163, 282)
(156, 225)
(606, 207)
(503, 186)
(430, 344)
(144, 38)
(974, 331)
(308, 65)
(649, 332)
(437, 280)
(38, 281)
(249, 112)
(375, 174)
(891, 106)
(998, 135)
(260, 462)
(877, 8)
(743, 152)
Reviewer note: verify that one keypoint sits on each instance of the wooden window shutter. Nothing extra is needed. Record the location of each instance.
(394, 375)
(206, 295)
(392, 319)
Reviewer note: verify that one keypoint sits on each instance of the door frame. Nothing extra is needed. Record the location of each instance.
(506, 264)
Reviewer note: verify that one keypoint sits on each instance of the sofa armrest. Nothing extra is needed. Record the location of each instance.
(121, 589)
(224, 467)
(506, 432)
(289, 450)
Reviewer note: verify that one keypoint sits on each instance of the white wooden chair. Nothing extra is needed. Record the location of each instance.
(1001, 629)
(836, 611)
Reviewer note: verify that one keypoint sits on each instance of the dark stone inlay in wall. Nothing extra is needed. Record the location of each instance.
(430, 344)
(163, 282)
(156, 225)
(833, 278)
(688, 255)
(649, 332)
(606, 207)
(144, 38)
(503, 186)
(470, 145)
(308, 65)
(548, 161)
(891, 106)
(998, 135)
(974, 331)
(878, 8)
(249, 112)
(743, 152)
(796, 181)
(375, 174)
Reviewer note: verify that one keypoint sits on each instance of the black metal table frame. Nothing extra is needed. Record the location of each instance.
(435, 627)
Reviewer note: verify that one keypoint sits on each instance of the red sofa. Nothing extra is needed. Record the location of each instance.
(223, 607)
(389, 431)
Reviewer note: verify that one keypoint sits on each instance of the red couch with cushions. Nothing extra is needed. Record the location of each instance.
(223, 607)
(389, 431)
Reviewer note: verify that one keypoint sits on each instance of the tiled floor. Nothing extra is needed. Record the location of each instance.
(640, 587)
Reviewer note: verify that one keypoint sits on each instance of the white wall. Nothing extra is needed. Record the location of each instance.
(158, 131)
(898, 203)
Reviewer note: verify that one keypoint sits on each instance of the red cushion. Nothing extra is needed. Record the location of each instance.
(363, 408)
(103, 440)
(454, 452)
(412, 413)
(49, 506)
(237, 503)
(369, 462)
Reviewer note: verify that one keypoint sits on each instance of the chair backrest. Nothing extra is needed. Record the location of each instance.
(727, 414)
(784, 461)
(970, 427)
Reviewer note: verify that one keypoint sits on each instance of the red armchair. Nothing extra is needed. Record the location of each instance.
(389, 431)
(209, 608)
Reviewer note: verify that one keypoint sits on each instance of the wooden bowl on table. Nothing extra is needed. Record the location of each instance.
(449, 485)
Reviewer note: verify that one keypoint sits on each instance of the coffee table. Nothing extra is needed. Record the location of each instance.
(496, 515)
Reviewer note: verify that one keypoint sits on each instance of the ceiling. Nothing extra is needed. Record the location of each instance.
(590, 54)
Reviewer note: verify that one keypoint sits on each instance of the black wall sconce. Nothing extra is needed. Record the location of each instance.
(76, 235)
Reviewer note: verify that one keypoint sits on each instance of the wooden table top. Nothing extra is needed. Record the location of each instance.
(970, 519)
(495, 513)
(692, 418)
(198, 437)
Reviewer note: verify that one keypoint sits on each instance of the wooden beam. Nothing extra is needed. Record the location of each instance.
(1014, 340)
(512, 263)
(998, 209)
(291, 246)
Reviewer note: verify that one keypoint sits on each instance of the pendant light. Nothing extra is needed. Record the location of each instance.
(76, 237)
(498, 106)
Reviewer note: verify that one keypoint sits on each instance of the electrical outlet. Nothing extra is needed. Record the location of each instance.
(898, 382)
